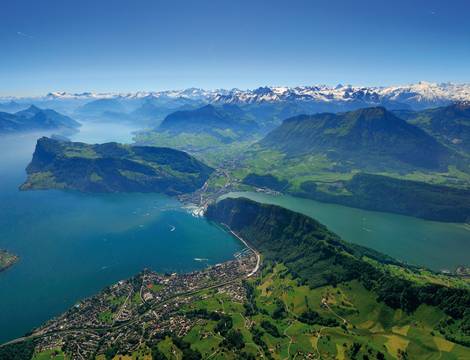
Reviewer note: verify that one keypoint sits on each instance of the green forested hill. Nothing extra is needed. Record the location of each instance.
(307, 247)
(318, 257)
(384, 193)
(113, 167)
(370, 137)
(265, 181)
(450, 124)
(226, 122)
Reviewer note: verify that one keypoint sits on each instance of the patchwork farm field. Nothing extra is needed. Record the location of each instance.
(351, 324)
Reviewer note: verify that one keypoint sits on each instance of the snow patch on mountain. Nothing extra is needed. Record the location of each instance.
(420, 94)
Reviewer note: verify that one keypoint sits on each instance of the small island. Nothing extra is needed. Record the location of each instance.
(6, 260)
(113, 167)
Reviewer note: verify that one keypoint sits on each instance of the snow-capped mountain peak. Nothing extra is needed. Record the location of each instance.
(421, 94)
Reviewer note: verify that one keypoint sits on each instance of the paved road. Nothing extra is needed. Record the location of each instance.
(258, 256)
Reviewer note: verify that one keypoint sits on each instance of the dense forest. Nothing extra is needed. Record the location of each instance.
(113, 167)
(265, 181)
(366, 137)
(19, 351)
(383, 193)
(319, 257)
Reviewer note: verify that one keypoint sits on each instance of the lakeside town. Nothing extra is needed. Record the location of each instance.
(143, 307)
(198, 201)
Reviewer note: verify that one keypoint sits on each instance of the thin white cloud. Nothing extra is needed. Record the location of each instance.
(20, 33)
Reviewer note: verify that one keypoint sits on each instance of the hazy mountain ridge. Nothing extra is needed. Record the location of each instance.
(34, 118)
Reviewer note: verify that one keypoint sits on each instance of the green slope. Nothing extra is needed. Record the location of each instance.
(113, 167)
(226, 123)
(319, 257)
(383, 193)
(450, 124)
(371, 137)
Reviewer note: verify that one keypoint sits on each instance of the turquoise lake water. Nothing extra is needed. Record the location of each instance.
(436, 245)
(71, 245)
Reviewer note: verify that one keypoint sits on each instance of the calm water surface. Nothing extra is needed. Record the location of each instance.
(71, 245)
(433, 244)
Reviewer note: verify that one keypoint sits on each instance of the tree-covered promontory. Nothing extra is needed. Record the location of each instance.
(113, 167)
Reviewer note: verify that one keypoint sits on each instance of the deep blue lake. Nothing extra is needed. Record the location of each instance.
(71, 245)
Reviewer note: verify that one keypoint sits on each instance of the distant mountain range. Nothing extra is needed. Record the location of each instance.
(97, 107)
(343, 97)
(415, 96)
(11, 106)
(152, 110)
(34, 118)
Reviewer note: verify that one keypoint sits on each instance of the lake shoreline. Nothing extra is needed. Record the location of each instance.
(411, 240)
(72, 244)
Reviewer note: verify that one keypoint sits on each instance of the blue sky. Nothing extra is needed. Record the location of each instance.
(124, 45)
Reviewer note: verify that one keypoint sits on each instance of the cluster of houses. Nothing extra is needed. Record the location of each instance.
(132, 311)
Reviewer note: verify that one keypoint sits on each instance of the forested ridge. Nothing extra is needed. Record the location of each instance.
(319, 257)
(384, 193)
